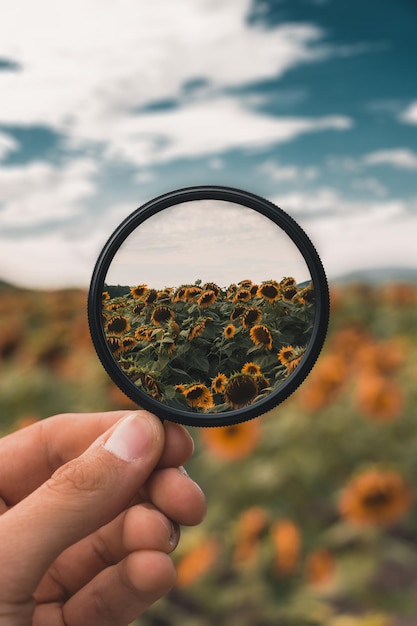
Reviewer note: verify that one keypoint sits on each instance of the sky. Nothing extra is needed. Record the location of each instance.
(209, 241)
(104, 105)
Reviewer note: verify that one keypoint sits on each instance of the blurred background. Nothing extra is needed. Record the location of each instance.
(313, 105)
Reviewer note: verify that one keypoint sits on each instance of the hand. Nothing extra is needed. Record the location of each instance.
(90, 507)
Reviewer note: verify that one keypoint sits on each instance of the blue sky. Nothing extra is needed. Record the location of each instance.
(309, 103)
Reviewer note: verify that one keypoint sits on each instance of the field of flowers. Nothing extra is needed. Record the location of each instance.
(312, 516)
(209, 349)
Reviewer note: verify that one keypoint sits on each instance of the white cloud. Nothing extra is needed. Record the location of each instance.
(288, 173)
(39, 192)
(7, 144)
(88, 66)
(409, 116)
(400, 158)
(351, 234)
(371, 185)
(207, 127)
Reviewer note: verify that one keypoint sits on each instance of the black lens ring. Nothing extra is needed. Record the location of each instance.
(281, 219)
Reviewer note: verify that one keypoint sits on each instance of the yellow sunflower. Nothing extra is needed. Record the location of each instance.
(192, 292)
(232, 442)
(212, 287)
(242, 295)
(251, 316)
(161, 314)
(378, 497)
(196, 562)
(219, 383)
(286, 537)
(151, 296)
(207, 298)
(269, 292)
(286, 354)
(118, 325)
(198, 395)
(139, 291)
(105, 296)
(229, 331)
(129, 343)
(115, 344)
(261, 335)
(240, 390)
(180, 294)
(197, 330)
(236, 312)
(251, 368)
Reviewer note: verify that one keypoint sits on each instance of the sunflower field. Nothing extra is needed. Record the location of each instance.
(312, 513)
(204, 348)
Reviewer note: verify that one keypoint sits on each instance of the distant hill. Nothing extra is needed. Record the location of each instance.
(378, 276)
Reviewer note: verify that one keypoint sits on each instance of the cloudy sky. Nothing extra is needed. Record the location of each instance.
(104, 105)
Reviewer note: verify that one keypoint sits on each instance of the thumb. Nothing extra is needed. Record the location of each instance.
(80, 496)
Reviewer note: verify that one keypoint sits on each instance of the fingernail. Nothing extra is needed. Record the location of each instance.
(175, 535)
(183, 471)
(132, 439)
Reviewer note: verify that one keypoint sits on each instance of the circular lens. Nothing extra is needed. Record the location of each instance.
(208, 306)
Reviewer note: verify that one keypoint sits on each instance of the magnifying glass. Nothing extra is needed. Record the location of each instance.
(208, 306)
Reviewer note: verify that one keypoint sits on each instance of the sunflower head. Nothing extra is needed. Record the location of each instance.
(118, 325)
(128, 343)
(139, 291)
(151, 296)
(197, 330)
(162, 314)
(251, 316)
(105, 296)
(252, 368)
(198, 396)
(192, 292)
(240, 390)
(288, 293)
(242, 295)
(229, 331)
(212, 287)
(269, 291)
(115, 344)
(261, 336)
(377, 497)
(180, 294)
(219, 383)
(236, 312)
(207, 298)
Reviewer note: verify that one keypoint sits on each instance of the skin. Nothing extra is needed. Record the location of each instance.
(85, 535)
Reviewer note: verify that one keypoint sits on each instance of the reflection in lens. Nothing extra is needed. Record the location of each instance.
(205, 348)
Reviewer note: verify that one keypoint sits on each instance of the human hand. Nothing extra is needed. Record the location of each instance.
(90, 507)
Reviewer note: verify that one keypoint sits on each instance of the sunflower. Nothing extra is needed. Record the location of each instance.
(236, 312)
(286, 354)
(129, 343)
(379, 397)
(245, 284)
(161, 314)
(251, 316)
(197, 330)
(206, 298)
(254, 290)
(139, 291)
(252, 369)
(229, 331)
(240, 390)
(242, 295)
(232, 442)
(192, 292)
(138, 308)
(174, 328)
(288, 281)
(305, 295)
(320, 567)
(261, 335)
(115, 344)
(151, 296)
(118, 325)
(105, 296)
(143, 333)
(269, 292)
(251, 525)
(195, 563)
(262, 382)
(219, 383)
(288, 293)
(212, 287)
(375, 497)
(198, 395)
(287, 542)
(180, 294)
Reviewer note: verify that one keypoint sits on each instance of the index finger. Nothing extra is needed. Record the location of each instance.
(28, 457)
